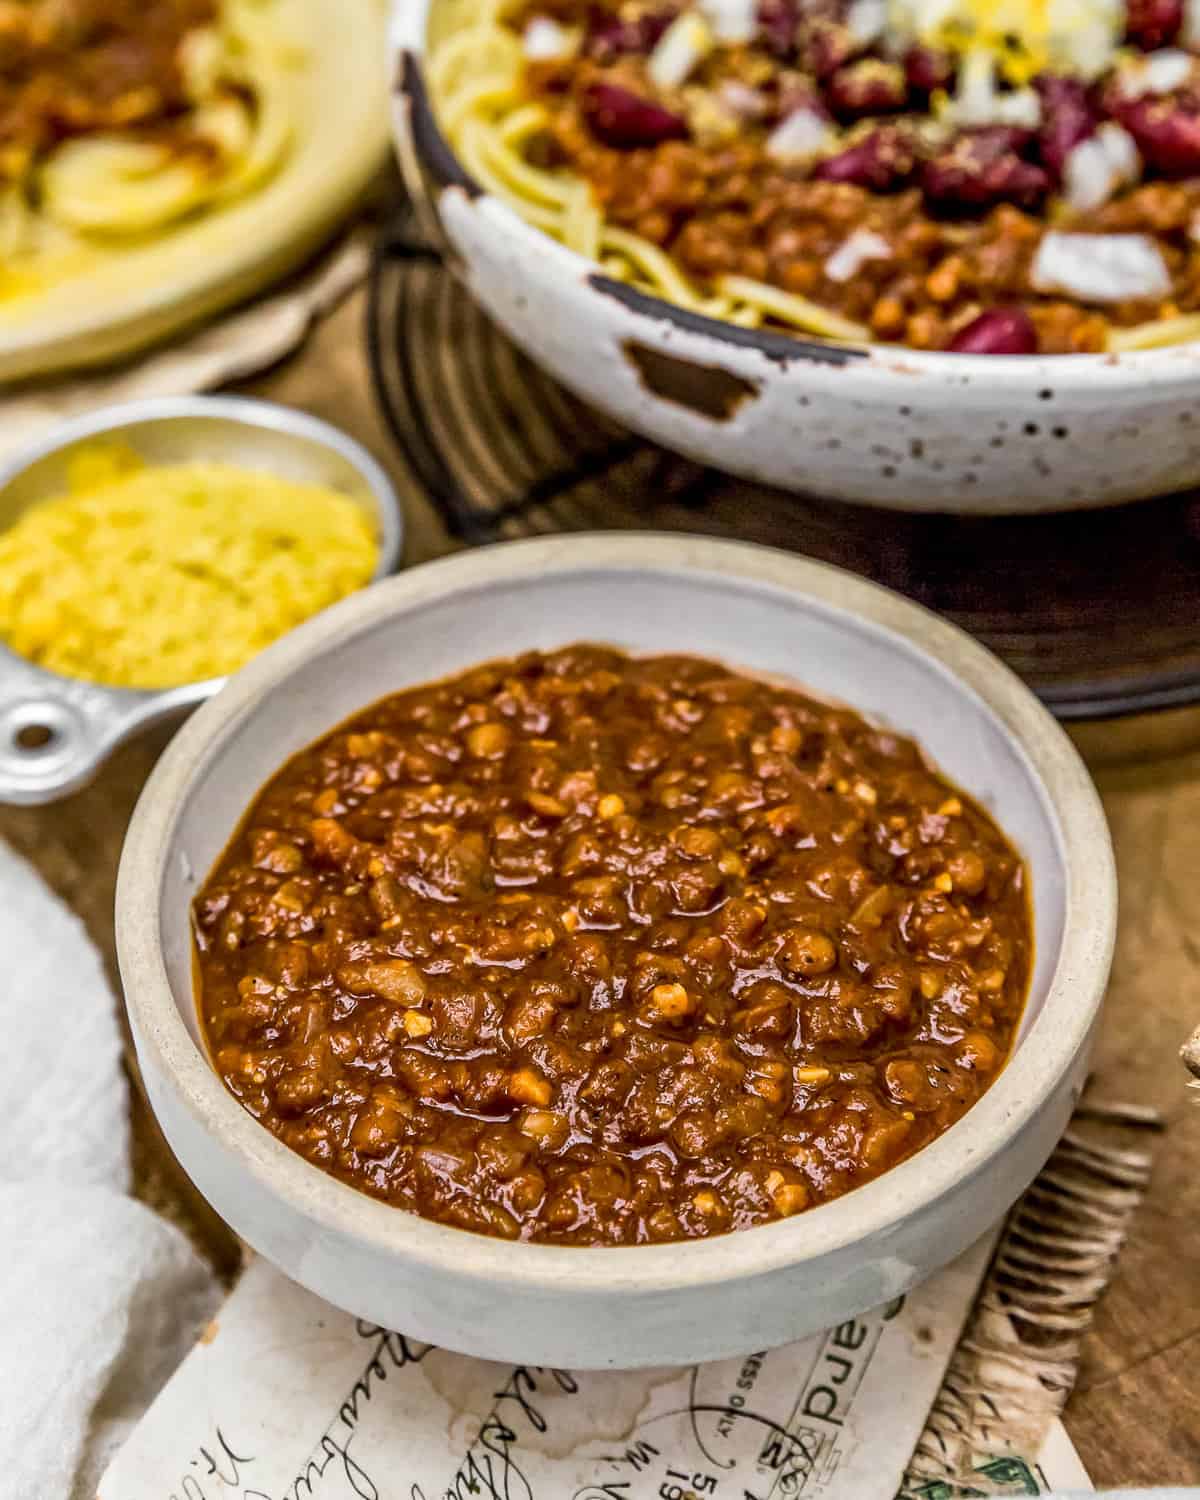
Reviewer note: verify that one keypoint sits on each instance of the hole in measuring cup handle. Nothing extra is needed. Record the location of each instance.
(47, 746)
(55, 731)
(34, 737)
(37, 728)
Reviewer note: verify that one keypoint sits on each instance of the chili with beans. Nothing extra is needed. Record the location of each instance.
(598, 950)
(833, 158)
(79, 67)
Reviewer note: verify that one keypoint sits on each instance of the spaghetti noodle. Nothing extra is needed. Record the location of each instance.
(120, 120)
(916, 191)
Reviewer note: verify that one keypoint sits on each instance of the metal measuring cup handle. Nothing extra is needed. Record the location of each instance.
(55, 732)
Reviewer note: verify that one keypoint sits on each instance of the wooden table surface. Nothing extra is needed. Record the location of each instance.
(1135, 1414)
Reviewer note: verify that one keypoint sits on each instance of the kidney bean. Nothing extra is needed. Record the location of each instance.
(992, 138)
(1153, 23)
(624, 119)
(1167, 133)
(982, 167)
(927, 69)
(1067, 118)
(869, 87)
(884, 159)
(610, 36)
(1000, 330)
(778, 24)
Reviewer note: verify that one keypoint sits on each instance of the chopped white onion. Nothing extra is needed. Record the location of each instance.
(866, 20)
(975, 99)
(1121, 150)
(800, 136)
(685, 44)
(1081, 35)
(1100, 267)
(741, 100)
(1021, 107)
(1087, 48)
(1077, 37)
(1169, 68)
(1160, 72)
(545, 39)
(854, 252)
(920, 20)
(979, 102)
(731, 20)
(1088, 176)
(1097, 167)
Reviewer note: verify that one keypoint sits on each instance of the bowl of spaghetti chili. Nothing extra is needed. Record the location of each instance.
(882, 250)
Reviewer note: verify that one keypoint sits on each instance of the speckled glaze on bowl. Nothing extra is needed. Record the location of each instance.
(886, 425)
(762, 611)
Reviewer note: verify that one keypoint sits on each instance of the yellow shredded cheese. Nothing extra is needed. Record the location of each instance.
(1020, 38)
(150, 577)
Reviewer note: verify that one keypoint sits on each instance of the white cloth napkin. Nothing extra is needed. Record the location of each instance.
(99, 1298)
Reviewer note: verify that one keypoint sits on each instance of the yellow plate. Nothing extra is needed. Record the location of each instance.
(111, 301)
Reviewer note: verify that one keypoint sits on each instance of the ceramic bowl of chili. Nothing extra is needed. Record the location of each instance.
(772, 616)
(989, 415)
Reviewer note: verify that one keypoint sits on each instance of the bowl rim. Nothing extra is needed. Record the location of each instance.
(1027, 1084)
(1175, 363)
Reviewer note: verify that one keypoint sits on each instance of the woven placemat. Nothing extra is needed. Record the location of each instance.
(1017, 1361)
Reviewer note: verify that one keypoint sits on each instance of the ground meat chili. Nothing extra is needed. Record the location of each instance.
(912, 201)
(596, 950)
(77, 67)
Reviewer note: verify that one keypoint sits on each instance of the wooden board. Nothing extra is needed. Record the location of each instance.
(1135, 1415)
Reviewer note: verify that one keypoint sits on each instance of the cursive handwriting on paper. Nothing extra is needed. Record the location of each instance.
(490, 1467)
(390, 1352)
(219, 1469)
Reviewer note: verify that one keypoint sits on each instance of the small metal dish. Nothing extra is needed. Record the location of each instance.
(55, 731)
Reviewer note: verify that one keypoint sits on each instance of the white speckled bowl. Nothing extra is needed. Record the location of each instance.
(760, 610)
(886, 425)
